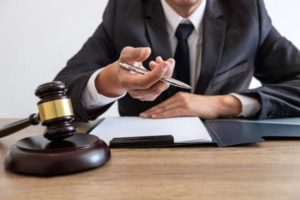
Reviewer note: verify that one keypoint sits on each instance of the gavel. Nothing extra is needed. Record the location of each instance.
(60, 150)
(55, 112)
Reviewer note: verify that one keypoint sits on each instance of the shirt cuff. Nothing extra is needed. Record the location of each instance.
(250, 106)
(91, 98)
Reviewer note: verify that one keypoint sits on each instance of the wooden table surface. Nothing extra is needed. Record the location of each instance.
(269, 170)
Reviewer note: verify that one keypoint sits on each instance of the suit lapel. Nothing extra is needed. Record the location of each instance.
(158, 36)
(214, 34)
(156, 28)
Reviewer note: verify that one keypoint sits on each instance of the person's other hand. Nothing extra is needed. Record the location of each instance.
(186, 104)
(115, 81)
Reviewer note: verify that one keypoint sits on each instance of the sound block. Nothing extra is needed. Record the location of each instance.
(41, 157)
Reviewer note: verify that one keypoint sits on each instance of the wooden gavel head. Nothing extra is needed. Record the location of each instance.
(55, 110)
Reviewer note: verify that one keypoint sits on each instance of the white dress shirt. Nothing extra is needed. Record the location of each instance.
(250, 106)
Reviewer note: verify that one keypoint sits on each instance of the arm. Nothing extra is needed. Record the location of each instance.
(186, 104)
(278, 68)
(99, 53)
(96, 53)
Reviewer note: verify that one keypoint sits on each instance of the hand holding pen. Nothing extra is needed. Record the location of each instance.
(142, 70)
(113, 81)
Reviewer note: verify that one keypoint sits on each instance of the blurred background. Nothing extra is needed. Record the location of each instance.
(37, 37)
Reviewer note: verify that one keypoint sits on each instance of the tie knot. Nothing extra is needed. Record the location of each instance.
(184, 31)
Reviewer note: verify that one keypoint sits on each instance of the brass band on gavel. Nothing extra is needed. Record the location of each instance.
(55, 109)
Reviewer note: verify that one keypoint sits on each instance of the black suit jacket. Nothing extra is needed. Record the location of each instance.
(239, 43)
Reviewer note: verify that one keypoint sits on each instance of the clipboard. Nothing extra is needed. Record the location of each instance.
(224, 133)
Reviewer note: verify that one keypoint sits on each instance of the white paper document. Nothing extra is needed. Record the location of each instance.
(183, 130)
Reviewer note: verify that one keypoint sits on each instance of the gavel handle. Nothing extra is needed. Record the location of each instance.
(33, 119)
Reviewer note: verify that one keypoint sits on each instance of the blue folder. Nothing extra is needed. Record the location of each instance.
(237, 132)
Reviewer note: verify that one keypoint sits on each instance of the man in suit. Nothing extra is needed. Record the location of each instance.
(217, 46)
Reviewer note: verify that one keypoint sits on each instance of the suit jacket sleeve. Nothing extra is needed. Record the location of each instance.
(278, 68)
(96, 53)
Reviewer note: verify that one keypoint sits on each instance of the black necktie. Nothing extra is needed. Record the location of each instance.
(182, 54)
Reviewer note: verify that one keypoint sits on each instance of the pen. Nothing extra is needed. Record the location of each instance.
(143, 71)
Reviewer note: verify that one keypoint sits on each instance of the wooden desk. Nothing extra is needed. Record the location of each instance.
(269, 170)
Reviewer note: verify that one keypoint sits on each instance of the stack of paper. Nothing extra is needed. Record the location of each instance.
(183, 130)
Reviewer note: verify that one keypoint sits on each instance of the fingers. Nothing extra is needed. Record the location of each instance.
(130, 54)
(165, 105)
(166, 110)
(178, 112)
(185, 104)
(159, 70)
(173, 103)
(149, 94)
(149, 86)
(176, 106)
(136, 81)
(170, 63)
(171, 67)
